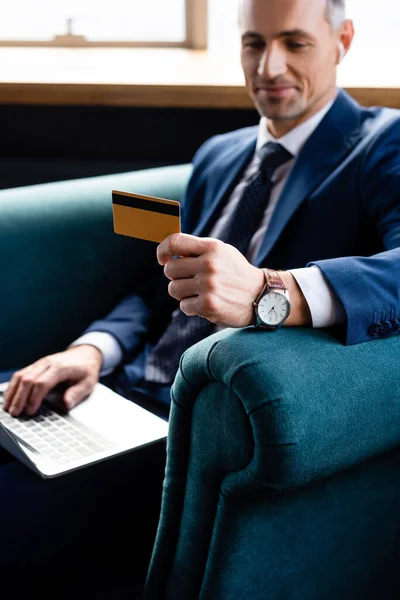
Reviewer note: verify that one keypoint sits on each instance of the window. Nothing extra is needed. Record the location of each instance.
(114, 23)
(371, 61)
(375, 44)
(375, 22)
(181, 23)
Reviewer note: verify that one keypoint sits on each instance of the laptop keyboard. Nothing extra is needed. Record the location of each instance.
(55, 435)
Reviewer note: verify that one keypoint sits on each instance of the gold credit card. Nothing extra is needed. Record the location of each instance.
(145, 217)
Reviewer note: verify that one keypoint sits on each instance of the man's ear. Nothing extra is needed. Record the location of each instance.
(345, 39)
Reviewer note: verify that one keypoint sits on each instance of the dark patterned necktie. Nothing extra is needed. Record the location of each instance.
(183, 331)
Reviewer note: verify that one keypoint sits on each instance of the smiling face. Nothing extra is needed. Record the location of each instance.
(289, 57)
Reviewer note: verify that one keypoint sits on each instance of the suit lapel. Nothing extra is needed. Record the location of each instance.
(226, 175)
(326, 148)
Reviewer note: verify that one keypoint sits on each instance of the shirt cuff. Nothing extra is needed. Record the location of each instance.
(108, 346)
(325, 307)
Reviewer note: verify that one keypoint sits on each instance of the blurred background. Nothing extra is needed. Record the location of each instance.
(88, 88)
(164, 20)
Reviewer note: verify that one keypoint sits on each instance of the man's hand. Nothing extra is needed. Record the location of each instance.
(211, 279)
(215, 281)
(79, 367)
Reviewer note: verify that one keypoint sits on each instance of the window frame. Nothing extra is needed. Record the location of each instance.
(196, 18)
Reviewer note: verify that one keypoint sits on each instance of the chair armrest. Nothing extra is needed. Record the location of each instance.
(309, 405)
(255, 414)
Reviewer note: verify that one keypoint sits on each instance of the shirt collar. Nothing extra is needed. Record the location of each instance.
(294, 140)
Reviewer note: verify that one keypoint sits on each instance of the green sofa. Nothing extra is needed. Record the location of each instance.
(282, 476)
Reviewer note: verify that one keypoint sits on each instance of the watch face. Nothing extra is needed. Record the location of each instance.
(273, 308)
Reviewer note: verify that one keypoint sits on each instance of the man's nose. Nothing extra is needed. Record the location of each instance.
(272, 63)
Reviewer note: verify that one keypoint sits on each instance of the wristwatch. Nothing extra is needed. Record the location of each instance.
(272, 306)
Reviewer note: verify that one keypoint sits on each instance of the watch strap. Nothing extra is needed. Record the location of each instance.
(273, 279)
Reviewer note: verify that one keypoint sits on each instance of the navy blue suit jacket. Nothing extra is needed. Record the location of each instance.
(339, 210)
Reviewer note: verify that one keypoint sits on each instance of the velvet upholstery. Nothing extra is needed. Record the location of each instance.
(283, 463)
(61, 264)
(282, 474)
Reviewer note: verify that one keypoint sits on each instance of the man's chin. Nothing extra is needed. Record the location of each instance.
(280, 111)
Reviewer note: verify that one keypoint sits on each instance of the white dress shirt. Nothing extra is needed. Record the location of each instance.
(325, 307)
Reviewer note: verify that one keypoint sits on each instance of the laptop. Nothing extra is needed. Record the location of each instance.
(55, 442)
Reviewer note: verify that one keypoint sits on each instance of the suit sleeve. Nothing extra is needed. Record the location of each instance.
(129, 322)
(369, 287)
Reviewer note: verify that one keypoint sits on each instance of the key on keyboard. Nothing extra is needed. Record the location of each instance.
(58, 436)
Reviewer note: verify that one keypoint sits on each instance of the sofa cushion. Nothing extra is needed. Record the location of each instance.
(61, 264)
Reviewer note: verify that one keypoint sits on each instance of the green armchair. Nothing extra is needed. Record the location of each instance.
(282, 478)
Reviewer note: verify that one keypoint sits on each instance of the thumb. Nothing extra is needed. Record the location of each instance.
(76, 393)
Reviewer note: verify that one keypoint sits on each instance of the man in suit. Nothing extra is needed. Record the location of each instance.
(328, 220)
(312, 194)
